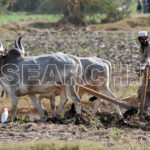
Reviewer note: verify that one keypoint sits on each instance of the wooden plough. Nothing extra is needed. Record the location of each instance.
(114, 101)
(122, 103)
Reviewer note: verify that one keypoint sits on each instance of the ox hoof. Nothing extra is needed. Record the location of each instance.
(56, 114)
(72, 110)
(78, 119)
(43, 119)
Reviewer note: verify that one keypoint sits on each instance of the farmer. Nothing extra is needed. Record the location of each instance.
(145, 53)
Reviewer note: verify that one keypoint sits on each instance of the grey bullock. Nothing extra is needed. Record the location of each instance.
(96, 75)
(37, 75)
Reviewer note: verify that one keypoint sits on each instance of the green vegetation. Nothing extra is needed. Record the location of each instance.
(132, 7)
(124, 87)
(62, 114)
(95, 18)
(91, 122)
(4, 19)
(70, 145)
(64, 11)
(74, 11)
(138, 112)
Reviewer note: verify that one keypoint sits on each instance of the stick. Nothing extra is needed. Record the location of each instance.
(143, 95)
(122, 104)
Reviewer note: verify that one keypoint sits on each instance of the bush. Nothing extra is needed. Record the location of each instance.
(113, 11)
(71, 8)
(4, 4)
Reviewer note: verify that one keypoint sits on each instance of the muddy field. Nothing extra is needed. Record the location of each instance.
(106, 127)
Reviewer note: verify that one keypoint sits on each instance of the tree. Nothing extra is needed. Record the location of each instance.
(24, 5)
(74, 12)
(4, 4)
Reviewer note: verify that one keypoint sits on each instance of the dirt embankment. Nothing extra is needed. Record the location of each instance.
(139, 22)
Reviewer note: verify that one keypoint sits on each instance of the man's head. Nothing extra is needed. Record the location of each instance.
(143, 38)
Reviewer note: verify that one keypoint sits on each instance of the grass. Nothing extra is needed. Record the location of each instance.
(127, 89)
(13, 17)
(132, 7)
(69, 145)
(5, 19)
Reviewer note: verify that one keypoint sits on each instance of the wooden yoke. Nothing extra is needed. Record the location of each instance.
(143, 94)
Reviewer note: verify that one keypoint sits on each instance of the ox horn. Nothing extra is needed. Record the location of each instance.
(18, 44)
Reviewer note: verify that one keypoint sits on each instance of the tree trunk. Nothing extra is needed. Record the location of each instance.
(74, 12)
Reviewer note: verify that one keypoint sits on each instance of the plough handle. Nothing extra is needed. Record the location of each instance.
(143, 95)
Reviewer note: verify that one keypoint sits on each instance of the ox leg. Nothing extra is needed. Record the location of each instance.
(76, 100)
(40, 103)
(63, 100)
(37, 106)
(14, 102)
(96, 105)
(52, 102)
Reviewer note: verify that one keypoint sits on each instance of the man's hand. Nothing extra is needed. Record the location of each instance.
(141, 69)
(138, 72)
